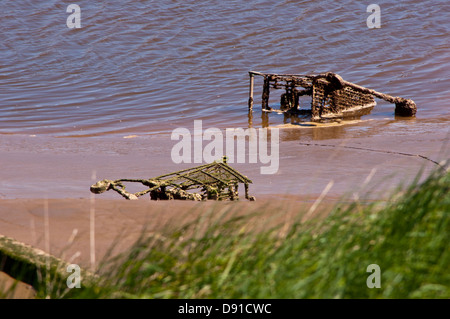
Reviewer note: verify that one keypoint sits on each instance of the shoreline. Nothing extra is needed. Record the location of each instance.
(362, 161)
(309, 158)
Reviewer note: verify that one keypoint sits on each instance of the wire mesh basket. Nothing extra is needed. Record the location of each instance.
(331, 96)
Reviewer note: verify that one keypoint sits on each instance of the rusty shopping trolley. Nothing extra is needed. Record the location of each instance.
(331, 96)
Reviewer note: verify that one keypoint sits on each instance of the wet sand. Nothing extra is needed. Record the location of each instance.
(56, 173)
(63, 226)
(309, 158)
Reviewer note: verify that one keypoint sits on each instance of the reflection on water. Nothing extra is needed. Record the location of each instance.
(310, 131)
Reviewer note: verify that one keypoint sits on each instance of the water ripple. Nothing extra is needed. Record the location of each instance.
(146, 66)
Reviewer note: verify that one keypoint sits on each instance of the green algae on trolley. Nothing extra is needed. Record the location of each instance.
(217, 181)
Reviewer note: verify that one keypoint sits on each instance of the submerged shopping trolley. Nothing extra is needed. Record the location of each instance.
(331, 96)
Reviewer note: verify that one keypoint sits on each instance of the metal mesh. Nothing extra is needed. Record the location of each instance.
(216, 180)
(331, 96)
(330, 102)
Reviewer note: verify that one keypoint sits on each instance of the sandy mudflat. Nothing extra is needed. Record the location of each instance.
(309, 158)
(364, 158)
(117, 222)
(69, 220)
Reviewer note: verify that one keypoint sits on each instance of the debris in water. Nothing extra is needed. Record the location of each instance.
(332, 97)
(217, 181)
